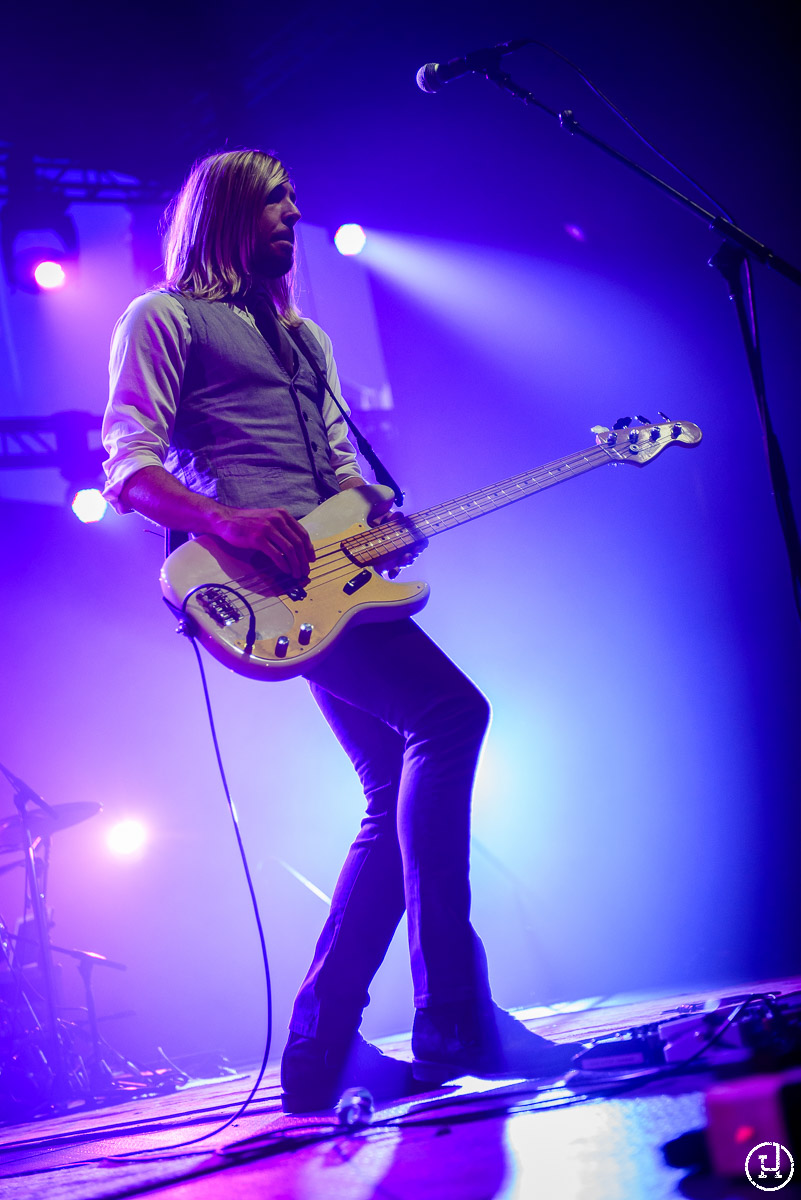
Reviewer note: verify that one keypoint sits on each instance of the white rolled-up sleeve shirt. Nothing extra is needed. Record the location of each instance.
(149, 351)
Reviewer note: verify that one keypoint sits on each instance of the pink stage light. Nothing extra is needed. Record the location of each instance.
(350, 239)
(88, 505)
(126, 837)
(576, 232)
(49, 275)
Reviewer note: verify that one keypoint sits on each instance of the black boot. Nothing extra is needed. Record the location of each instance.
(468, 1039)
(315, 1074)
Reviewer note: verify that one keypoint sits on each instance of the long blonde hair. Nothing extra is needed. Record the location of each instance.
(210, 229)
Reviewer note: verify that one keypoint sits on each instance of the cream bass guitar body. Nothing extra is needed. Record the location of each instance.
(264, 625)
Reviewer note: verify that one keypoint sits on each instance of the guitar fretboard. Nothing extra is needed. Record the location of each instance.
(475, 504)
(398, 532)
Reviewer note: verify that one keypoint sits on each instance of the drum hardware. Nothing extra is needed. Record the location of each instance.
(43, 1065)
(24, 832)
(44, 824)
(46, 1061)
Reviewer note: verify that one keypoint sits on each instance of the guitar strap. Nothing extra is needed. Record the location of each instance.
(365, 449)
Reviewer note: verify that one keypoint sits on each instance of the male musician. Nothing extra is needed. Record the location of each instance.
(219, 424)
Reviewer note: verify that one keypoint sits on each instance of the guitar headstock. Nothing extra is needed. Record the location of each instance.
(638, 444)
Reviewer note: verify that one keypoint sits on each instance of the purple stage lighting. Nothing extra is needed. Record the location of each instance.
(576, 232)
(49, 275)
(37, 238)
(350, 239)
(126, 838)
(88, 505)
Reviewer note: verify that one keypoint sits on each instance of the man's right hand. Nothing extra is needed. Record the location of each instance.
(159, 496)
(273, 531)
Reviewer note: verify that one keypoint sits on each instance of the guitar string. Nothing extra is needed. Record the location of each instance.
(535, 478)
(439, 518)
(484, 500)
(532, 479)
(445, 515)
(395, 539)
(452, 512)
(343, 568)
(259, 603)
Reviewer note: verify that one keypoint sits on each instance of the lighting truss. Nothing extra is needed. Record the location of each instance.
(74, 183)
(61, 440)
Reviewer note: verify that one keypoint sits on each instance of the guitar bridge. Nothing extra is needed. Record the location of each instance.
(218, 604)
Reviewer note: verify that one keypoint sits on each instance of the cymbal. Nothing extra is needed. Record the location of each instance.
(42, 824)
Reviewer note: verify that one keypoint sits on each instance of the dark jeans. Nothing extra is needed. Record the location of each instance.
(412, 725)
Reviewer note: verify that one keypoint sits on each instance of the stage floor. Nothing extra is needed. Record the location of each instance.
(476, 1140)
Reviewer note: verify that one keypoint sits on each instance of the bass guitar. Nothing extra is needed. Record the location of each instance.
(264, 625)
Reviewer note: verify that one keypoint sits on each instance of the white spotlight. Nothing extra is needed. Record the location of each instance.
(350, 239)
(126, 837)
(88, 505)
(49, 275)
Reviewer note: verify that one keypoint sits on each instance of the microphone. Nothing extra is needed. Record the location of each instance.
(434, 76)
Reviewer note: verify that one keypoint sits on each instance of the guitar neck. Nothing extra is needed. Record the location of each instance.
(430, 521)
(639, 445)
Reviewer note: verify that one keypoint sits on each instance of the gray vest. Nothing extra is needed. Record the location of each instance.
(247, 432)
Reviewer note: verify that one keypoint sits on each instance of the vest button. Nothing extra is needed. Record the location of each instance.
(306, 417)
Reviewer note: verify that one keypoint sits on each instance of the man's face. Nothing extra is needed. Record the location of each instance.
(274, 248)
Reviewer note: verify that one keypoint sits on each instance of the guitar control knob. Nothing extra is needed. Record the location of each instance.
(304, 634)
(281, 647)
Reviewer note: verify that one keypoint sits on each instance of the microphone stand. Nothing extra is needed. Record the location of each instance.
(728, 260)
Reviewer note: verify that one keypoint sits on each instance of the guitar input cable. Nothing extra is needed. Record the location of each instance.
(188, 627)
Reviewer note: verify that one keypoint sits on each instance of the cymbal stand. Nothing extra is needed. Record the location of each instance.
(100, 1074)
(38, 907)
(16, 974)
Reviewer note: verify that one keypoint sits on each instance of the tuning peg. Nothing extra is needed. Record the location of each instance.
(599, 429)
(664, 416)
(643, 420)
(622, 423)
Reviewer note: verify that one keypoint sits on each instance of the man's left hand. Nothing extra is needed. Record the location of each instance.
(405, 555)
